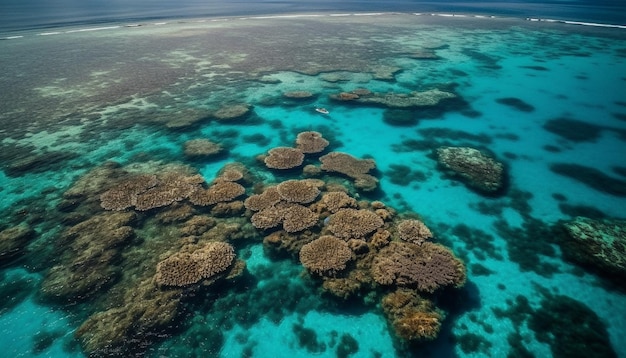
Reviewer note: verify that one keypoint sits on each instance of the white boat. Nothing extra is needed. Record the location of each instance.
(321, 110)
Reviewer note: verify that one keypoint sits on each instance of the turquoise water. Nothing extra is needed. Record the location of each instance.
(87, 107)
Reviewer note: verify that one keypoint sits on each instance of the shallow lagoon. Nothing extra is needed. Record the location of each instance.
(83, 110)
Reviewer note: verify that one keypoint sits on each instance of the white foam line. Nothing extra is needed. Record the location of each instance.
(12, 37)
(339, 15)
(159, 23)
(48, 33)
(581, 23)
(93, 29)
(369, 14)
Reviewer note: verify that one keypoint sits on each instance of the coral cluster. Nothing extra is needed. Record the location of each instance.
(194, 264)
(354, 223)
(145, 191)
(427, 267)
(233, 112)
(413, 318)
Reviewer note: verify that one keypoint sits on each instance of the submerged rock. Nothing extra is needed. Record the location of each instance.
(13, 241)
(396, 100)
(475, 169)
(599, 243)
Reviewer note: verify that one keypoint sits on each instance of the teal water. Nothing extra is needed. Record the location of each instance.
(83, 110)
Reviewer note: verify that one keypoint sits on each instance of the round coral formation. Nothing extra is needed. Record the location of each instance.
(326, 255)
(476, 169)
(311, 142)
(354, 223)
(284, 158)
(298, 191)
(297, 218)
(414, 231)
(427, 267)
(186, 268)
(201, 148)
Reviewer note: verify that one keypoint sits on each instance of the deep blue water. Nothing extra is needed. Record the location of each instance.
(32, 14)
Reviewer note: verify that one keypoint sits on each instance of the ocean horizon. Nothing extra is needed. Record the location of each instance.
(312, 179)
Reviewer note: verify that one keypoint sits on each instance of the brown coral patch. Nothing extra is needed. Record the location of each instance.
(232, 112)
(124, 195)
(326, 255)
(201, 148)
(427, 267)
(186, 268)
(336, 200)
(311, 142)
(298, 191)
(414, 231)
(267, 198)
(218, 192)
(297, 218)
(352, 167)
(413, 318)
(354, 223)
(284, 158)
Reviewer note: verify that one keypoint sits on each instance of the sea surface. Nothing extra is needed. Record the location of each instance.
(141, 145)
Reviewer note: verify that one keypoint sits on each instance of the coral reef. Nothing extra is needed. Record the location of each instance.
(354, 223)
(599, 243)
(232, 113)
(284, 158)
(13, 241)
(311, 142)
(413, 231)
(427, 267)
(413, 318)
(352, 167)
(395, 100)
(299, 95)
(474, 168)
(146, 191)
(326, 255)
(146, 313)
(89, 252)
(294, 217)
(194, 264)
(218, 192)
(201, 149)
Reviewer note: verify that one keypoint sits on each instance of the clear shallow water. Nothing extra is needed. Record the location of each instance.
(135, 95)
